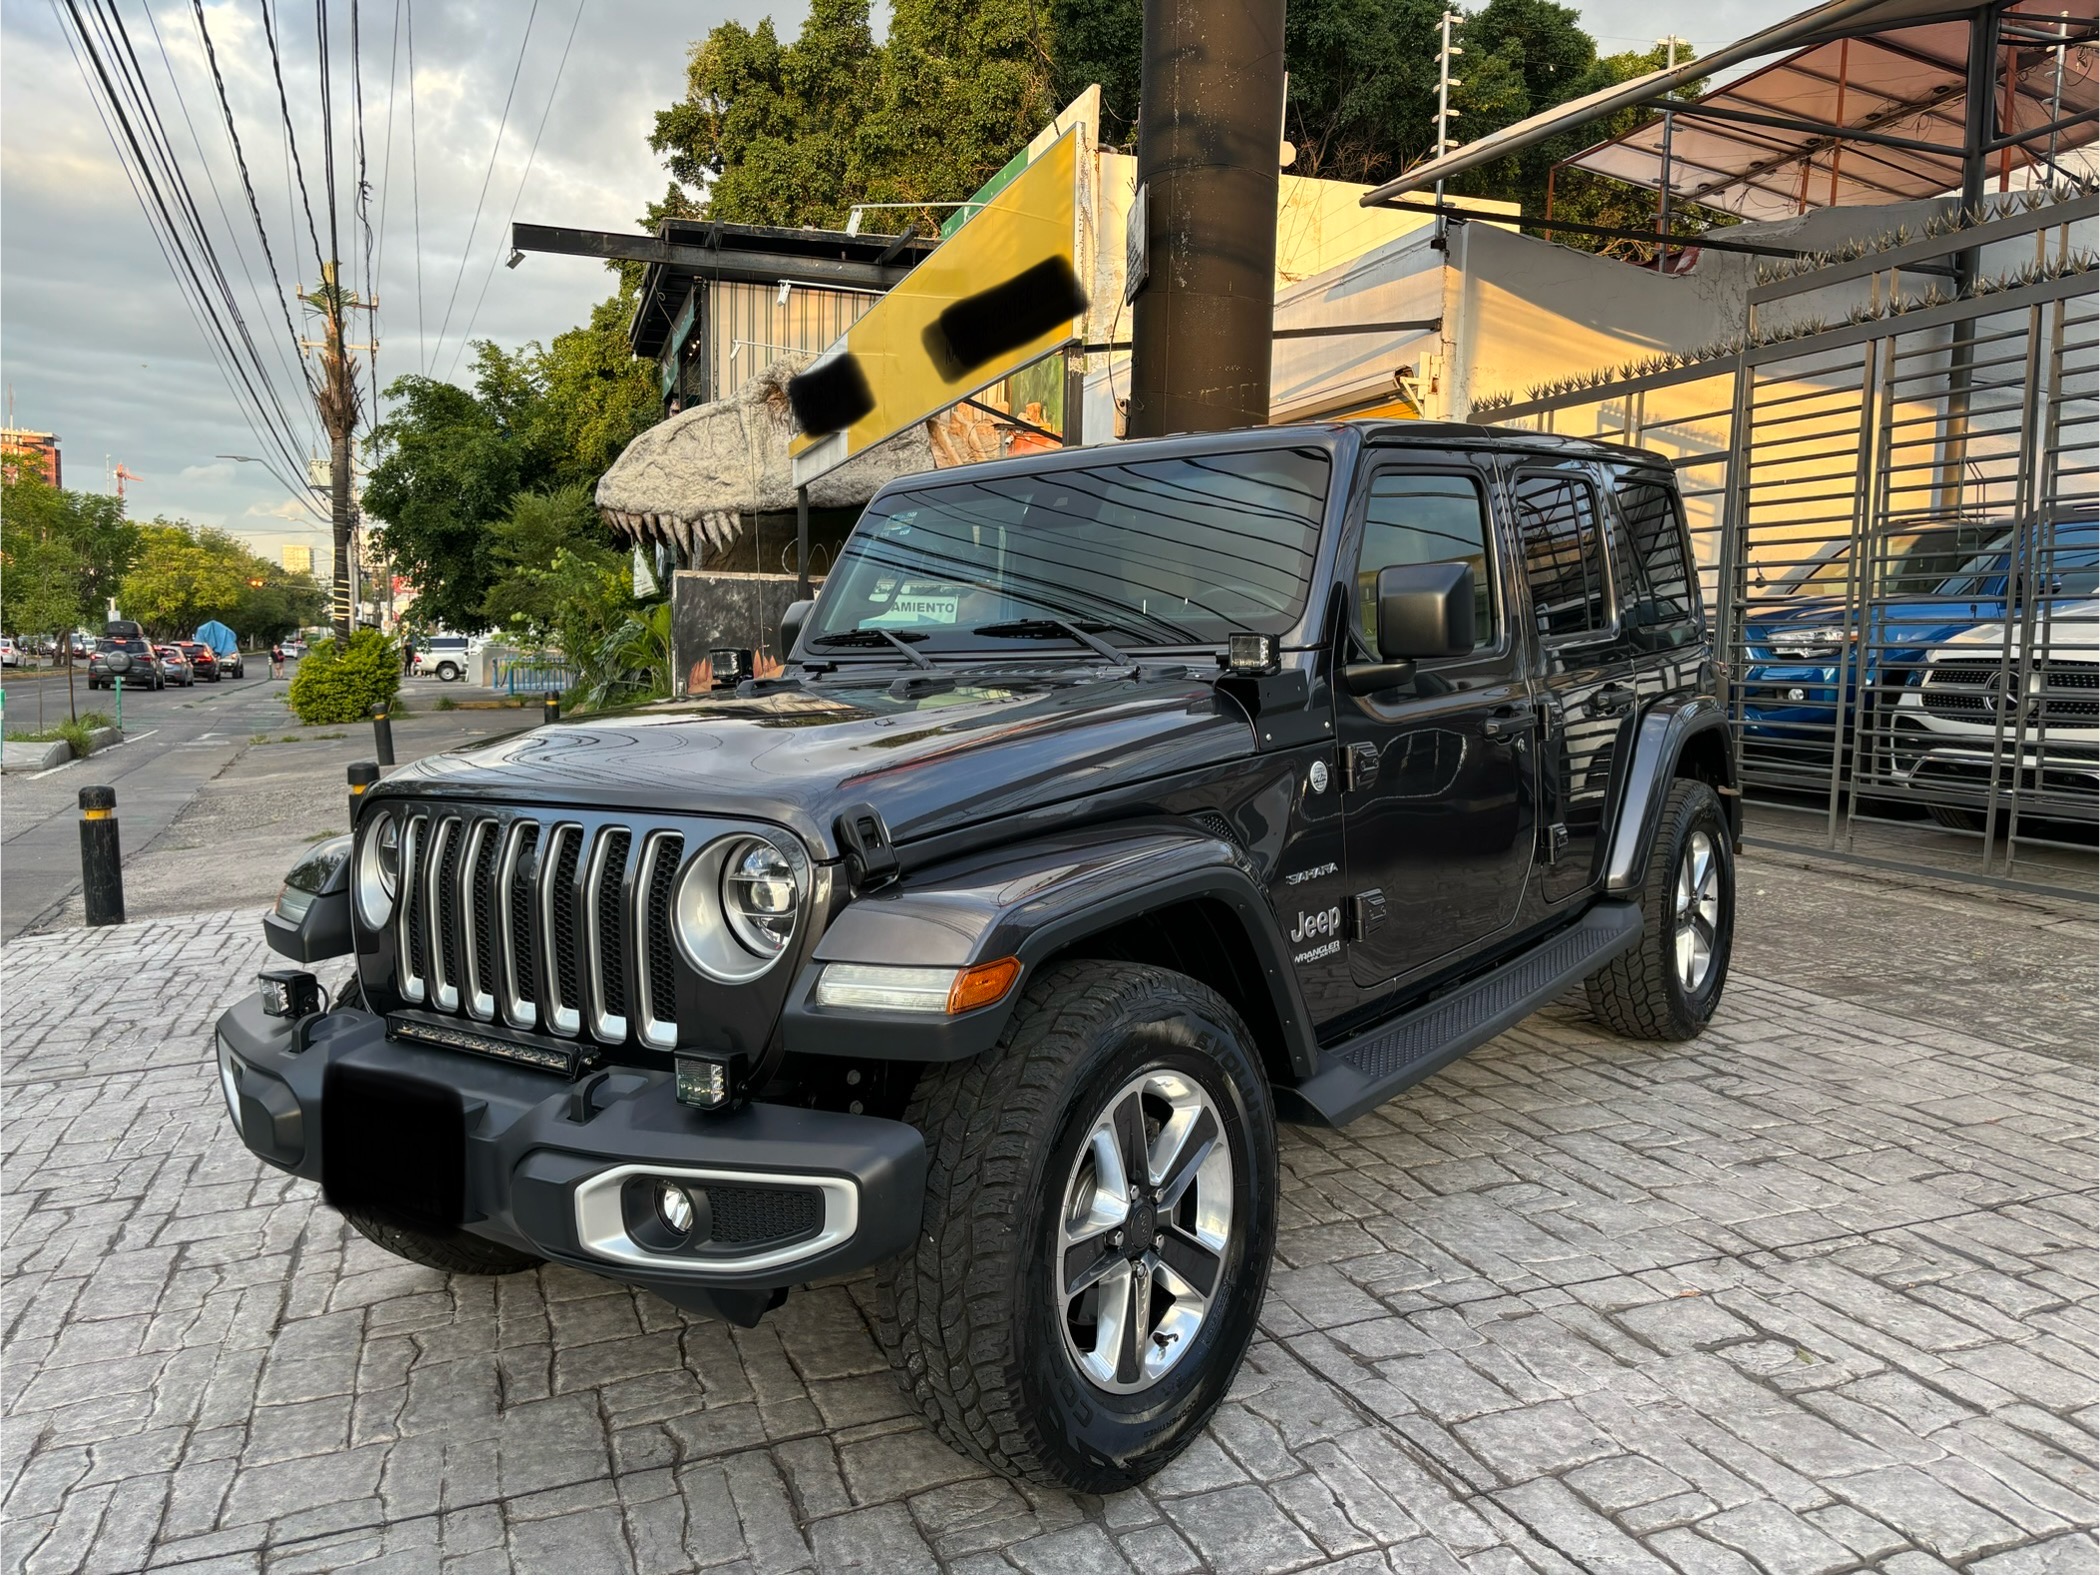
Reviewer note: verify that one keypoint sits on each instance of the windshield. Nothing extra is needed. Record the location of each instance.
(1174, 552)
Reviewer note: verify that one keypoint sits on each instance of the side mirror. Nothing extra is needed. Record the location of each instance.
(791, 623)
(1425, 611)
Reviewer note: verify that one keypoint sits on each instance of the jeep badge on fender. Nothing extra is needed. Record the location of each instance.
(985, 948)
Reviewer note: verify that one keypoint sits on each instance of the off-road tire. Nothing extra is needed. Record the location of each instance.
(1957, 817)
(454, 1252)
(1638, 993)
(969, 1317)
(449, 672)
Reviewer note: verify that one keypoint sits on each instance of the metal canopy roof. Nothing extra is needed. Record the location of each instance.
(1821, 27)
(1869, 119)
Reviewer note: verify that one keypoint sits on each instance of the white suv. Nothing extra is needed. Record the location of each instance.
(1972, 705)
(10, 653)
(444, 655)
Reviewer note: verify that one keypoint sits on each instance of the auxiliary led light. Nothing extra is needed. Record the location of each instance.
(289, 993)
(704, 1081)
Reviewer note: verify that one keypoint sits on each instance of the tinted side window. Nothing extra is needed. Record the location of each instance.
(1424, 520)
(1658, 605)
(1563, 554)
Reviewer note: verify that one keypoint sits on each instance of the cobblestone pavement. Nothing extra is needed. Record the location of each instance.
(1816, 1292)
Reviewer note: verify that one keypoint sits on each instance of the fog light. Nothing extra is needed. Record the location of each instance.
(289, 993)
(674, 1206)
(1250, 653)
(703, 1081)
(1797, 693)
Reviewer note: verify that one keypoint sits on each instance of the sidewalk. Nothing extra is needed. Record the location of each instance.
(1815, 1292)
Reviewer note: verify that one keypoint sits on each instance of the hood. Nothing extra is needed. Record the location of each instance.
(1911, 620)
(930, 755)
(2074, 632)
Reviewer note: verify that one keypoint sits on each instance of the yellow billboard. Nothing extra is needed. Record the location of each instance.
(956, 323)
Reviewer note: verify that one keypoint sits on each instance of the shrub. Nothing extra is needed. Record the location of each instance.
(341, 681)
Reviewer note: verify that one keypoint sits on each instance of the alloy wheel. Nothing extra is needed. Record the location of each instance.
(1698, 910)
(1142, 1236)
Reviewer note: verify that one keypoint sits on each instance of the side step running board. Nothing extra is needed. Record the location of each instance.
(1361, 1074)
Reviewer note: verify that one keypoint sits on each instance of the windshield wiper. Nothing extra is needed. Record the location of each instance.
(1047, 628)
(870, 637)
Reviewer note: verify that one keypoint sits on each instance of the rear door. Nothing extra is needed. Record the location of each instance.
(1589, 688)
(1436, 776)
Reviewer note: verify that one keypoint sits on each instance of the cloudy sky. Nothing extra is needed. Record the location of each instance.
(96, 343)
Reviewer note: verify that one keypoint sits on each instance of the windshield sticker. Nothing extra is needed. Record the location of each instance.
(916, 607)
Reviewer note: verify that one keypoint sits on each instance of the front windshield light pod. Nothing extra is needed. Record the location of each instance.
(738, 906)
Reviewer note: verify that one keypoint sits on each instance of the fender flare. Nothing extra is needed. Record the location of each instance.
(1031, 901)
(1659, 743)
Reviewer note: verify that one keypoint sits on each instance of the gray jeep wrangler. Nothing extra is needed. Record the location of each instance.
(1115, 805)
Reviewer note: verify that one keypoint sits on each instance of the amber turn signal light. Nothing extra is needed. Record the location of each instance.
(982, 984)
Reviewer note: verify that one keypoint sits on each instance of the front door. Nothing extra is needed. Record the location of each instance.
(1589, 689)
(1438, 819)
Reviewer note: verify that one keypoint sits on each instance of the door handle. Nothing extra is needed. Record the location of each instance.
(1508, 722)
(1610, 701)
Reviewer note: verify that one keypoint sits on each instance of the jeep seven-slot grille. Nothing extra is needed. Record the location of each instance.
(547, 926)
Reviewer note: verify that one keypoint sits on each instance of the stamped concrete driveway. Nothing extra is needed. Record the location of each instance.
(1814, 1293)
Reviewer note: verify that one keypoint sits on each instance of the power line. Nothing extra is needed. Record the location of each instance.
(386, 192)
(117, 40)
(292, 363)
(518, 196)
(494, 148)
(162, 223)
(291, 137)
(415, 193)
(321, 53)
(363, 205)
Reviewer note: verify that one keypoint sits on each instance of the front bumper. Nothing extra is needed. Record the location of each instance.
(566, 1170)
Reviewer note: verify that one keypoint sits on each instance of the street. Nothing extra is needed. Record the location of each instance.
(234, 747)
(1812, 1292)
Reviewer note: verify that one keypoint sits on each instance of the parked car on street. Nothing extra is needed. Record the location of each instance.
(232, 664)
(202, 659)
(128, 658)
(444, 656)
(1983, 711)
(174, 667)
(1800, 650)
(1114, 805)
(10, 654)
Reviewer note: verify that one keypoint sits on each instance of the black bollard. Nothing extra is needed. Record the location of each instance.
(362, 775)
(550, 706)
(101, 860)
(382, 734)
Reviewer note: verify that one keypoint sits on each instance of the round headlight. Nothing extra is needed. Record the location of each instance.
(737, 907)
(379, 871)
(759, 897)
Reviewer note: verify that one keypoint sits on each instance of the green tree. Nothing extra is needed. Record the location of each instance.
(92, 526)
(276, 603)
(185, 576)
(452, 460)
(40, 594)
(796, 134)
(526, 593)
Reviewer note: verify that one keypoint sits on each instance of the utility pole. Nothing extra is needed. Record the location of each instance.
(1445, 114)
(337, 400)
(1203, 302)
